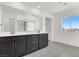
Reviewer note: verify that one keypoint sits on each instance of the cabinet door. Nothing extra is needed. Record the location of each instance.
(32, 43)
(20, 46)
(5, 48)
(43, 40)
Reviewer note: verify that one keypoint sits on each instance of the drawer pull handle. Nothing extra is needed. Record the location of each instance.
(13, 45)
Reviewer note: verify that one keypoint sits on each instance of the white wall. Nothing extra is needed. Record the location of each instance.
(71, 38)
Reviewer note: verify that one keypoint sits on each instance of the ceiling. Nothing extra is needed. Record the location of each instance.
(52, 7)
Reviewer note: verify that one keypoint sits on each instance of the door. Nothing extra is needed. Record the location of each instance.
(49, 27)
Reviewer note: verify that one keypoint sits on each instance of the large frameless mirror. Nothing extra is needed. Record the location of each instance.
(10, 22)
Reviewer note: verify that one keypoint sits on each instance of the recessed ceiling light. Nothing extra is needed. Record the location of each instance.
(38, 7)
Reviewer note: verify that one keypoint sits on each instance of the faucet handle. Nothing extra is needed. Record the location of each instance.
(12, 32)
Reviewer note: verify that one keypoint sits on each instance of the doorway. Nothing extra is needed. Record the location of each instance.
(49, 27)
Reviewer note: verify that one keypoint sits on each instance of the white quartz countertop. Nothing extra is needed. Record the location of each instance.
(18, 33)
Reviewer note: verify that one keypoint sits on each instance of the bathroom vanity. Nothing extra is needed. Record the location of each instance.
(20, 45)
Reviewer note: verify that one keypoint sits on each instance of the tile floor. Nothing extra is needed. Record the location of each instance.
(56, 49)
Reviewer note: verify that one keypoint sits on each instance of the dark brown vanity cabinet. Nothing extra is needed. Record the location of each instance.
(6, 47)
(16, 46)
(43, 40)
(12, 46)
(35, 42)
(19, 46)
(31, 43)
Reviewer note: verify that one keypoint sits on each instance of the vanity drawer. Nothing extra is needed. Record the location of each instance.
(32, 48)
(21, 37)
(5, 39)
(42, 40)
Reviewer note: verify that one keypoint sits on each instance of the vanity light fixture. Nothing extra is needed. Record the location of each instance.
(63, 3)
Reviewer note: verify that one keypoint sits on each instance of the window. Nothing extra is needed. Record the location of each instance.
(70, 24)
